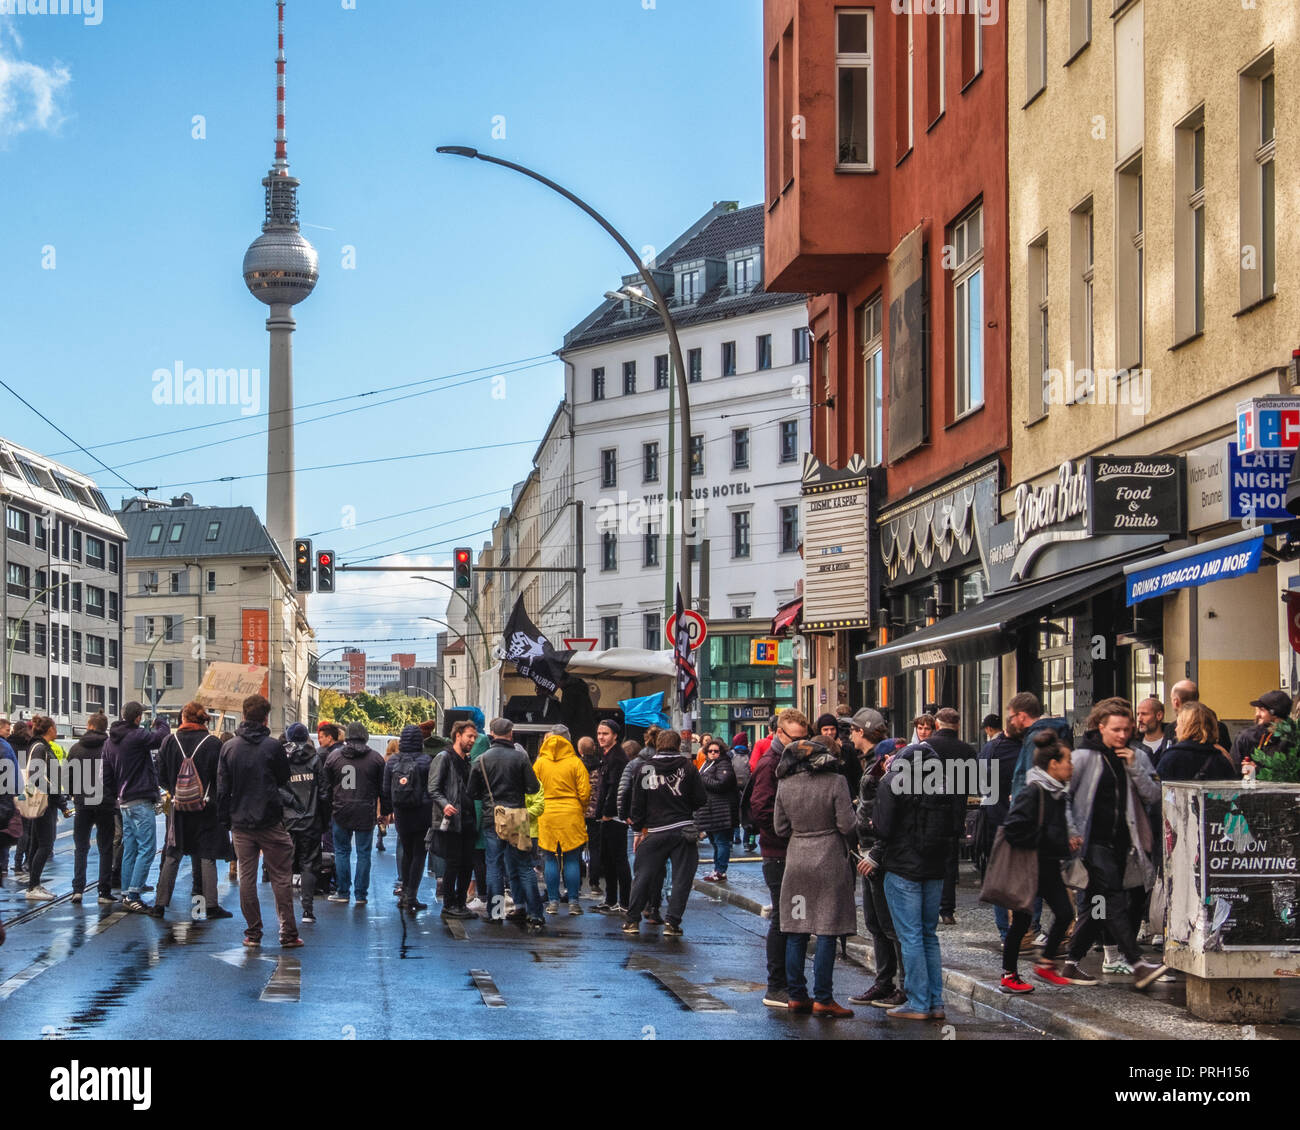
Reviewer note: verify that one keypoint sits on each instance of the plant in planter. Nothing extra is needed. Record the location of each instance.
(1283, 764)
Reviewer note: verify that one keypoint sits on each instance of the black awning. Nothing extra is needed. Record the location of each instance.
(982, 631)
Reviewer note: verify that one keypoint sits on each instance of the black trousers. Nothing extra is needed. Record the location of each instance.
(1051, 889)
(613, 861)
(948, 898)
(651, 857)
(596, 868)
(307, 863)
(460, 867)
(44, 828)
(880, 925)
(773, 873)
(412, 826)
(1106, 904)
(99, 819)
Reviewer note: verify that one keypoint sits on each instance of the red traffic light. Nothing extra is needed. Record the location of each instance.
(462, 557)
(325, 559)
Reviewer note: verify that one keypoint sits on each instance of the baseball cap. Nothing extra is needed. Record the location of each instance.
(868, 719)
(1275, 702)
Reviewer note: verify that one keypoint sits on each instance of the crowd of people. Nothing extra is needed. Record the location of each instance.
(825, 805)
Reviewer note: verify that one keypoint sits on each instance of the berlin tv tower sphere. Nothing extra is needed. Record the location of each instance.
(281, 266)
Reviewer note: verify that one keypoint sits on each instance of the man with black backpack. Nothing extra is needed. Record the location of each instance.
(310, 788)
(406, 795)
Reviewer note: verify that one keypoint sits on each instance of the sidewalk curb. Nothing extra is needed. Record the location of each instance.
(962, 985)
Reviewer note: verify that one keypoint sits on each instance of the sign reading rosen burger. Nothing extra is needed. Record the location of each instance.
(1136, 494)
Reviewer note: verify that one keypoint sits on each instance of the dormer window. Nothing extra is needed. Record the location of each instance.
(744, 270)
(688, 289)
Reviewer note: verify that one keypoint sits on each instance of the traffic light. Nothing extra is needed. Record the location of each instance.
(302, 565)
(325, 571)
(464, 567)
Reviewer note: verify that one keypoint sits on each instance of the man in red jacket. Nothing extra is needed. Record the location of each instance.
(763, 744)
(791, 726)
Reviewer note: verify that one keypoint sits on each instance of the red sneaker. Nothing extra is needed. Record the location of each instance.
(1014, 983)
(1049, 974)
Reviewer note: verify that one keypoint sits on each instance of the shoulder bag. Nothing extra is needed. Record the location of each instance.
(1011, 880)
(33, 803)
(510, 824)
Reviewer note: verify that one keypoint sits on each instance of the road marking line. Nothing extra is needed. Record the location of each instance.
(285, 985)
(57, 953)
(457, 928)
(692, 996)
(488, 988)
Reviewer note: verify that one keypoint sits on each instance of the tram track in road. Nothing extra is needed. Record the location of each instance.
(64, 899)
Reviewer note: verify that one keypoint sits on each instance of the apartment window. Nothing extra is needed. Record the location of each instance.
(18, 523)
(972, 44)
(871, 334)
(789, 441)
(114, 558)
(740, 449)
(112, 653)
(76, 698)
(652, 629)
(906, 72)
(212, 580)
(20, 635)
(212, 629)
(967, 241)
(66, 589)
(744, 275)
(94, 698)
(66, 633)
(113, 702)
(789, 529)
(1081, 307)
(740, 533)
(695, 365)
(94, 552)
(688, 289)
(608, 632)
(629, 377)
(608, 551)
(728, 358)
(1080, 25)
(42, 639)
(764, 352)
(661, 371)
(1258, 186)
(18, 579)
(76, 545)
(1129, 282)
(179, 582)
(650, 548)
(177, 532)
(112, 605)
(1039, 361)
(94, 601)
(597, 384)
(1035, 48)
(609, 467)
(38, 692)
(42, 537)
(76, 647)
(650, 462)
(697, 456)
(95, 650)
(214, 531)
(19, 689)
(741, 611)
(1189, 226)
(799, 346)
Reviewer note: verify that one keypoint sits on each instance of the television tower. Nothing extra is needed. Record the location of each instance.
(280, 269)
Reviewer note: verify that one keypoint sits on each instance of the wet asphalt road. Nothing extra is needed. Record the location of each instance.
(86, 972)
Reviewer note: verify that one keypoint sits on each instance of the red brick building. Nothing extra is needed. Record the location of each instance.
(887, 200)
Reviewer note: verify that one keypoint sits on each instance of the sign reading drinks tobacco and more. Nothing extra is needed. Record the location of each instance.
(836, 512)
(1136, 495)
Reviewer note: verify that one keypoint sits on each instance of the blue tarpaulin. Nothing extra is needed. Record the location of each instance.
(645, 712)
(1234, 558)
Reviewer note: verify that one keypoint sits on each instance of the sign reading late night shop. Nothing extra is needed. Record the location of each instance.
(1136, 494)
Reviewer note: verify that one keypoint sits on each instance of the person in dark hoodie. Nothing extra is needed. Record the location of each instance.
(310, 787)
(130, 748)
(42, 765)
(613, 831)
(197, 833)
(250, 776)
(406, 795)
(663, 805)
(1024, 719)
(94, 798)
(637, 763)
(963, 762)
(356, 780)
(718, 818)
(791, 726)
(1004, 752)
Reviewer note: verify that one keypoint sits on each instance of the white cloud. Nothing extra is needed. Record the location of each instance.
(371, 606)
(30, 94)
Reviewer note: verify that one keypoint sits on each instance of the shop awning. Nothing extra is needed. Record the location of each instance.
(786, 616)
(982, 631)
(1233, 556)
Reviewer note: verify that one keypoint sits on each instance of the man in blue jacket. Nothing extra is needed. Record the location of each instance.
(1024, 720)
(129, 752)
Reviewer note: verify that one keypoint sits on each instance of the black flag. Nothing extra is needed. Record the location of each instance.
(532, 653)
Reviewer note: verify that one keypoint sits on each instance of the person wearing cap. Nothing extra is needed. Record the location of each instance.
(867, 732)
(1270, 708)
(198, 834)
(828, 733)
(356, 778)
(310, 787)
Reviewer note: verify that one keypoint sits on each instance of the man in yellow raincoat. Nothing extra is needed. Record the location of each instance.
(562, 827)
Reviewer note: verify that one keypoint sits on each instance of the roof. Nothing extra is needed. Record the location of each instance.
(727, 231)
(456, 647)
(42, 483)
(238, 532)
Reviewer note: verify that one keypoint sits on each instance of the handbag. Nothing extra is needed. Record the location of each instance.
(33, 803)
(510, 824)
(1011, 879)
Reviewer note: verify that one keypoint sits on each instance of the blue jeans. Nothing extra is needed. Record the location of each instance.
(796, 953)
(523, 880)
(721, 842)
(139, 840)
(914, 906)
(1002, 917)
(572, 874)
(343, 860)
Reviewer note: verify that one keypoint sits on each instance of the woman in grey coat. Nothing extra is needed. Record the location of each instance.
(813, 808)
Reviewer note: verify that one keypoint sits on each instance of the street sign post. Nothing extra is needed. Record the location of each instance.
(696, 626)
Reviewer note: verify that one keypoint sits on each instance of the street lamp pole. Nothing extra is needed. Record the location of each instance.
(9, 651)
(674, 345)
(478, 672)
(470, 608)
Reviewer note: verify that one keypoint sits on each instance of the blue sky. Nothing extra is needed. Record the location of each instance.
(651, 114)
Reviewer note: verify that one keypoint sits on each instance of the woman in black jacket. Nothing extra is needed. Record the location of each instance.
(406, 795)
(44, 765)
(719, 815)
(454, 826)
(1195, 756)
(20, 740)
(1038, 820)
(613, 831)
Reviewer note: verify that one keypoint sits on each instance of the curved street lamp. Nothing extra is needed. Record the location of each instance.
(683, 391)
(478, 673)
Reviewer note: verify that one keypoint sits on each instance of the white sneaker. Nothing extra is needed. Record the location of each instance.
(1118, 966)
(1166, 978)
(1041, 940)
(1158, 940)
(39, 894)
(476, 905)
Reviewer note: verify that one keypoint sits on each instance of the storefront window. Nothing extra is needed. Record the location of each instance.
(1056, 667)
(1147, 675)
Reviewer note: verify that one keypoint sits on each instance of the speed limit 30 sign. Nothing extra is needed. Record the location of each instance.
(695, 626)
